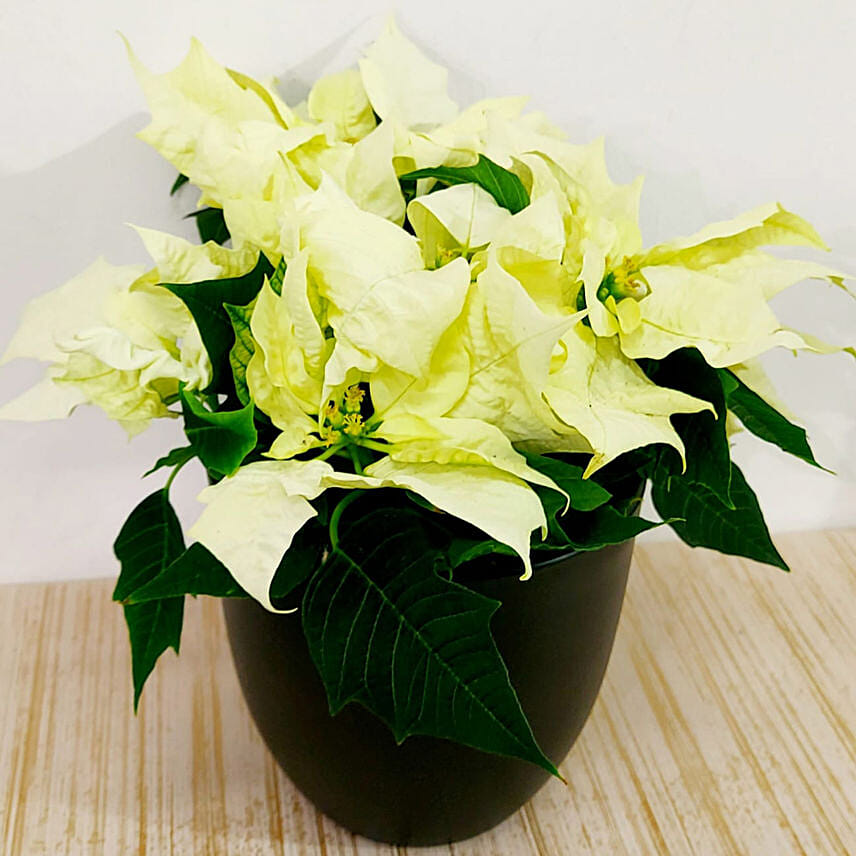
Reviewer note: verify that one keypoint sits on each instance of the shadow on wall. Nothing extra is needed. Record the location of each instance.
(295, 81)
(66, 486)
(56, 219)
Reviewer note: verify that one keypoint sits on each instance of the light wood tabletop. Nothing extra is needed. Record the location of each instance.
(725, 725)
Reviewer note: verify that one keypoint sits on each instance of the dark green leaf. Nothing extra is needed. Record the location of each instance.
(591, 530)
(606, 525)
(463, 550)
(205, 301)
(195, 572)
(178, 183)
(763, 420)
(585, 494)
(408, 189)
(300, 561)
(221, 440)
(278, 277)
(211, 225)
(707, 522)
(504, 186)
(386, 631)
(708, 454)
(153, 627)
(175, 458)
(243, 349)
(148, 543)
(198, 572)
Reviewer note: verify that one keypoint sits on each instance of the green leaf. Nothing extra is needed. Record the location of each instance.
(205, 301)
(278, 276)
(590, 523)
(198, 572)
(463, 550)
(153, 627)
(178, 183)
(148, 543)
(763, 420)
(195, 572)
(221, 440)
(300, 561)
(504, 186)
(705, 521)
(585, 494)
(243, 349)
(602, 527)
(386, 631)
(176, 458)
(708, 453)
(211, 225)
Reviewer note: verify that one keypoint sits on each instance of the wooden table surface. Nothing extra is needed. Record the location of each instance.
(725, 725)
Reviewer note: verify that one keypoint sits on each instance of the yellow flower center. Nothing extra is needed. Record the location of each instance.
(353, 424)
(624, 281)
(343, 420)
(353, 399)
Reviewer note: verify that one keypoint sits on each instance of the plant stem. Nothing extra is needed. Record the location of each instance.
(373, 444)
(354, 452)
(330, 452)
(173, 474)
(337, 514)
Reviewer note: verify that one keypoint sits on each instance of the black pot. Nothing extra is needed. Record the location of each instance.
(555, 632)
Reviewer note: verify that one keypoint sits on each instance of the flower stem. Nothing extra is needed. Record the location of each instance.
(372, 444)
(330, 452)
(173, 474)
(354, 452)
(337, 514)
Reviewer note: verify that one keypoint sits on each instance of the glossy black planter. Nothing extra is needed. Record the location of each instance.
(555, 632)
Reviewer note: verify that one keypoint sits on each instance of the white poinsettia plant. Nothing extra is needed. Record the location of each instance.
(413, 336)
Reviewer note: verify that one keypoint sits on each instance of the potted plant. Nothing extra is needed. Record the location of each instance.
(429, 368)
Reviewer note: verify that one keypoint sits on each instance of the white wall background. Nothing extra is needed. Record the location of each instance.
(722, 105)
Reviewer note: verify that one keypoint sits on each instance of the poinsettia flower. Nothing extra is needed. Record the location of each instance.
(709, 291)
(510, 343)
(234, 139)
(371, 274)
(116, 339)
(551, 385)
(455, 222)
(607, 398)
(200, 110)
(285, 375)
(92, 361)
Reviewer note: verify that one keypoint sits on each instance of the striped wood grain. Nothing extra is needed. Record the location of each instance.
(726, 725)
